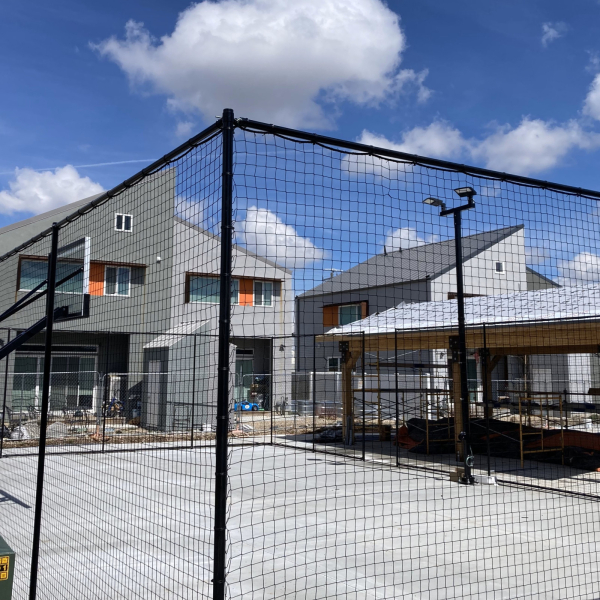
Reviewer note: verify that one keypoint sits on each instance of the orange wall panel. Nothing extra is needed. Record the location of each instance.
(96, 279)
(246, 292)
(364, 310)
(330, 316)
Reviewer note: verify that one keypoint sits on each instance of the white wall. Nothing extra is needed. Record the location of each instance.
(196, 251)
(480, 275)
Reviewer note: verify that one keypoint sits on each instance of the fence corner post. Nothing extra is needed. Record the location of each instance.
(39, 493)
(222, 429)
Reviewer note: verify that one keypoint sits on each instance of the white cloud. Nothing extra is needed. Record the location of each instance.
(406, 237)
(439, 139)
(271, 59)
(552, 31)
(265, 234)
(534, 255)
(533, 146)
(593, 65)
(491, 191)
(591, 104)
(184, 129)
(37, 192)
(581, 270)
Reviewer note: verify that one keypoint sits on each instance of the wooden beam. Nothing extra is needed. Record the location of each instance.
(458, 420)
(494, 360)
(536, 338)
(350, 359)
(546, 349)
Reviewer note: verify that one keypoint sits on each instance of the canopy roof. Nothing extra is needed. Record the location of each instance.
(175, 335)
(519, 323)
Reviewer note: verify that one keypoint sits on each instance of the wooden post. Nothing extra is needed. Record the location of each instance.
(458, 420)
(349, 360)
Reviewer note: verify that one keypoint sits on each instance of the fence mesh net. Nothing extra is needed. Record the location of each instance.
(349, 390)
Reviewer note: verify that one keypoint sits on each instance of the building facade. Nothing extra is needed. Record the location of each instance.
(150, 338)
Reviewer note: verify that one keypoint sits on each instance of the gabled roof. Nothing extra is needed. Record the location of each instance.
(22, 231)
(411, 264)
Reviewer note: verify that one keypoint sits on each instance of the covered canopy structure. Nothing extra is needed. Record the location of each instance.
(552, 321)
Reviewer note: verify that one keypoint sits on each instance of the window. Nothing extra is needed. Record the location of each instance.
(34, 272)
(123, 222)
(72, 382)
(263, 293)
(350, 313)
(117, 281)
(342, 314)
(499, 267)
(206, 289)
(333, 364)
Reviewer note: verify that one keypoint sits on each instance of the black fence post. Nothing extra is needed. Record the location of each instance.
(272, 402)
(39, 492)
(220, 549)
(364, 406)
(314, 388)
(3, 433)
(106, 392)
(397, 399)
(486, 397)
(192, 424)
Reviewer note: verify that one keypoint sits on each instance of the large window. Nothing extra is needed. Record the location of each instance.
(350, 313)
(206, 289)
(263, 293)
(72, 382)
(34, 272)
(117, 281)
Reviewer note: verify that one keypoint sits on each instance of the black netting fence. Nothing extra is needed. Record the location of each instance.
(278, 365)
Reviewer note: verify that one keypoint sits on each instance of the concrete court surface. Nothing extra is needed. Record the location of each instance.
(301, 526)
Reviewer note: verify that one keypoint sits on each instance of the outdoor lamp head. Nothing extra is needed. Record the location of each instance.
(435, 202)
(466, 192)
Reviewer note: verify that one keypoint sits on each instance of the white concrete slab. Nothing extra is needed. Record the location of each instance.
(301, 526)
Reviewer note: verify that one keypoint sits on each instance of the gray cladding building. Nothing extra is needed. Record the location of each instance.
(494, 263)
(150, 339)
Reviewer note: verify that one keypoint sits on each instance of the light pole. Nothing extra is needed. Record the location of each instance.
(464, 435)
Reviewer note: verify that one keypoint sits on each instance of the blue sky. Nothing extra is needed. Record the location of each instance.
(505, 84)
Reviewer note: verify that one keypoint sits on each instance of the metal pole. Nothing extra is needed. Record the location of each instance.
(314, 388)
(220, 549)
(362, 365)
(192, 425)
(271, 401)
(106, 391)
(486, 398)
(397, 407)
(4, 401)
(39, 494)
(462, 349)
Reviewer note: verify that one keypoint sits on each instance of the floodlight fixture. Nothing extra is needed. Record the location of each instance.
(466, 192)
(435, 202)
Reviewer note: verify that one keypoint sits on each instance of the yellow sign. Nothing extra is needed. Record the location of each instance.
(4, 563)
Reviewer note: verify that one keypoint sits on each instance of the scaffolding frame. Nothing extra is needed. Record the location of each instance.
(548, 396)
